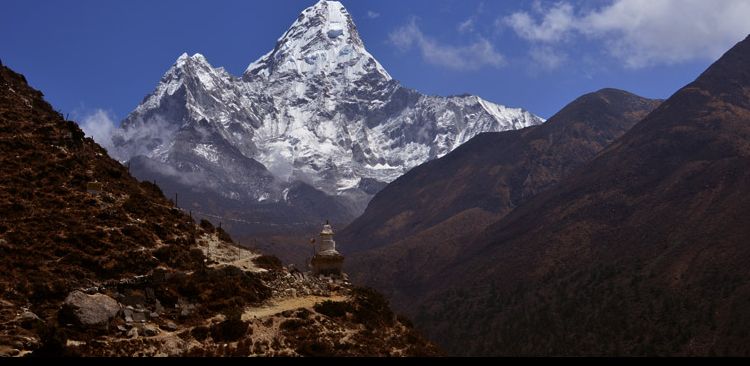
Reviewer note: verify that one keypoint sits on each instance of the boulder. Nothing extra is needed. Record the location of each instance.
(169, 326)
(159, 308)
(91, 310)
(28, 319)
(150, 330)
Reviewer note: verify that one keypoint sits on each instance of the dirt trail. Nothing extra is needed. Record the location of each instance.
(225, 255)
(288, 304)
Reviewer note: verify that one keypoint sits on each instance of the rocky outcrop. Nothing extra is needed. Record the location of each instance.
(91, 310)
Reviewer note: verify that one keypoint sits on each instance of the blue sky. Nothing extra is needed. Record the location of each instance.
(94, 56)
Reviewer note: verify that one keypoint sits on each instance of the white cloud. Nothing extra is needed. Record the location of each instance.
(143, 136)
(280, 166)
(100, 126)
(469, 57)
(554, 25)
(372, 14)
(466, 26)
(642, 32)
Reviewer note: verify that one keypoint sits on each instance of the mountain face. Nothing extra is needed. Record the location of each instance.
(421, 223)
(643, 251)
(96, 263)
(316, 114)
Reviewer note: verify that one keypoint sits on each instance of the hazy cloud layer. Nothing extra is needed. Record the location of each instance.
(142, 138)
(639, 32)
(100, 126)
(473, 56)
(279, 165)
(372, 14)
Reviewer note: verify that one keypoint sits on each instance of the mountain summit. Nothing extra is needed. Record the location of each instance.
(310, 131)
(323, 40)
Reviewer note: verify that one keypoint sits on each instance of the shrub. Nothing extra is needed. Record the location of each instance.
(314, 348)
(293, 324)
(333, 309)
(54, 343)
(372, 308)
(223, 236)
(231, 329)
(206, 225)
(405, 321)
(269, 262)
(151, 187)
(200, 332)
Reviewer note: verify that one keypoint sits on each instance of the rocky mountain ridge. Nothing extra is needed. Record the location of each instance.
(316, 124)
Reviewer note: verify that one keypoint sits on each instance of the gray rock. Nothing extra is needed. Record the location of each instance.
(139, 317)
(121, 328)
(132, 333)
(150, 330)
(91, 310)
(153, 315)
(159, 308)
(27, 320)
(169, 326)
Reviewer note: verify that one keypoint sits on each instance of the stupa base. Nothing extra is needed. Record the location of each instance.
(327, 264)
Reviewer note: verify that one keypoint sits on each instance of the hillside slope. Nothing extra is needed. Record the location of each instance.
(643, 252)
(419, 224)
(113, 268)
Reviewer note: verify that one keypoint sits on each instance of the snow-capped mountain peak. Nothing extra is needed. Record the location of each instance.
(323, 40)
(317, 112)
(187, 69)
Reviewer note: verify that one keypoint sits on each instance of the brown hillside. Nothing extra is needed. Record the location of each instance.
(644, 252)
(419, 224)
(122, 272)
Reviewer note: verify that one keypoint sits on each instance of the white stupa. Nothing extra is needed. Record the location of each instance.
(326, 259)
(327, 245)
